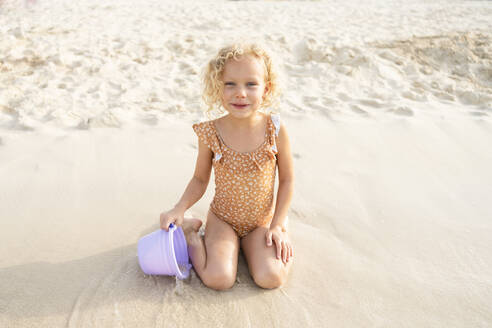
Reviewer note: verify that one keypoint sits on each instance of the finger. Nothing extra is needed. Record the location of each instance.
(167, 224)
(279, 248)
(269, 238)
(284, 252)
(164, 223)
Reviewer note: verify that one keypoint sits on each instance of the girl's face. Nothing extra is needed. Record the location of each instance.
(244, 86)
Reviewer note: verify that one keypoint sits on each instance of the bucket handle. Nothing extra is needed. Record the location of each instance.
(185, 274)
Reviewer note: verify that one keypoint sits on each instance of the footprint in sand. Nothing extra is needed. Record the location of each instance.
(371, 103)
(474, 113)
(116, 86)
(471, 97)
(418, 86)
(344, 69)
(118, 44)
(295, 107)
(414, 96)
(78, 52)
(329, 102)
(309, 99)
(93, 89)
(124, 67)
(105, 119)
(325, 111)
(187, 68)
(402, 111)
(65, 82)
(443, 96)
(391, 57)
(356, 109)
(180, 82)
(153, 98)
(150, 120)
(343, 96)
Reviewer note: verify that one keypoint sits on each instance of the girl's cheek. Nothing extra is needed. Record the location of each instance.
(226, 94)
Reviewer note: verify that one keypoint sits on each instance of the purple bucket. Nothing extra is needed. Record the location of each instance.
(164, 253)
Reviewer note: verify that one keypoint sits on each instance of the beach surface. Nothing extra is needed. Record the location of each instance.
(388, 105)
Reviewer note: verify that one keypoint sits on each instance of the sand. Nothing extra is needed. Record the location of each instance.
(388, 106)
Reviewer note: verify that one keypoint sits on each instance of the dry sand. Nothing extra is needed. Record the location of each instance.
(388, 105)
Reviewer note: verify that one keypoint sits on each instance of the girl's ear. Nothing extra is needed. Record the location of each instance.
(267, 88)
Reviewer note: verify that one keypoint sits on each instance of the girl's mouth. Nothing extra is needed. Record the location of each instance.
(239, 106)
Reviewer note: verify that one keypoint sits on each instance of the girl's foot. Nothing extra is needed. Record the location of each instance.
(190, 228)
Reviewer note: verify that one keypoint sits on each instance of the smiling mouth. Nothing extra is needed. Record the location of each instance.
(239, 105)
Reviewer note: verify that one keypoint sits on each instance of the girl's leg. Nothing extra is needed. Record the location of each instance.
(266, 270)
(215, 256)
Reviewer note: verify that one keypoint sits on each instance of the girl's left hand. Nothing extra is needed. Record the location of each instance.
(282, 243)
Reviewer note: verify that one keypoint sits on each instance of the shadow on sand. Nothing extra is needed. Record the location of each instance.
(70, 289)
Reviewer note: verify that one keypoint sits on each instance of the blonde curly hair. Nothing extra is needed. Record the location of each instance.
(212, 77)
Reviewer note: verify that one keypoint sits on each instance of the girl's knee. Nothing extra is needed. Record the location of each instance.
(269, 278)
(219, 280)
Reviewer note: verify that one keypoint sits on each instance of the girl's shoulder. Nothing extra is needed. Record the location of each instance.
(205, 127)
(206, 134)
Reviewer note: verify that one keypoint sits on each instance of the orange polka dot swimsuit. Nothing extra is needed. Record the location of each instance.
(244, 181)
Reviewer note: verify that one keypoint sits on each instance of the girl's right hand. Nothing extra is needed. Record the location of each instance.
(175, 216)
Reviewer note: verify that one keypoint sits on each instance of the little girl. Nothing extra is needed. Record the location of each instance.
(244, 147)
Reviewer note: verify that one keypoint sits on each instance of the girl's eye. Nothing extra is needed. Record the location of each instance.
(252, 84)
(229, 83)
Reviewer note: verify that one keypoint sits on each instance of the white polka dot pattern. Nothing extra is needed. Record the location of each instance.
(244, 182)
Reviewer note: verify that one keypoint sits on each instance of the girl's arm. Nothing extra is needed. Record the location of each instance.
(277, 233)
(285, 177)
(198, 184)
(195, 189)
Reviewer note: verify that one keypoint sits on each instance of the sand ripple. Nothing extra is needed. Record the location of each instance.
(83, 72)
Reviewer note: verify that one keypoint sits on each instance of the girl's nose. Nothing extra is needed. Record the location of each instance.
(241, 93)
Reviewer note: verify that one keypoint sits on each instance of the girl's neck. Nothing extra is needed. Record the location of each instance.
(244, 123)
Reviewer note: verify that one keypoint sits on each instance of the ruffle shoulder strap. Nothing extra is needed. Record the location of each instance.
(206, 133)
